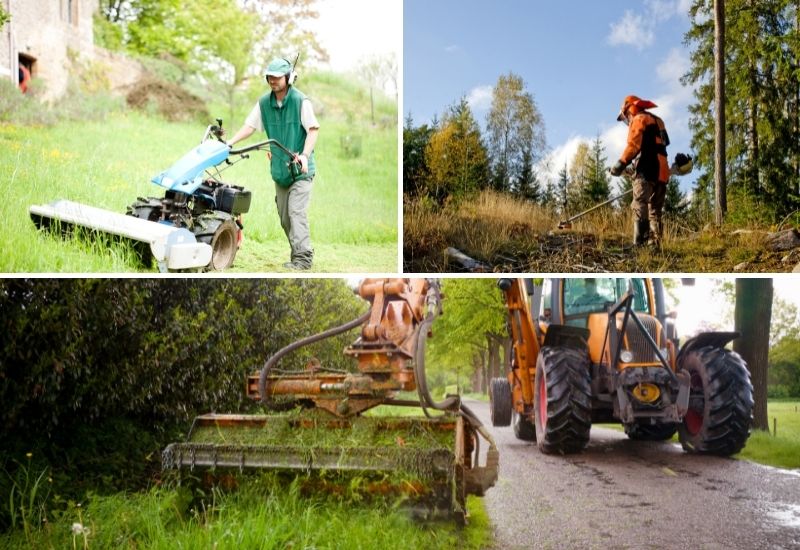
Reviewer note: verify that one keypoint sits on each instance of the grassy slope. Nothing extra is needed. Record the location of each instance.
(512, 236)
(108, 164)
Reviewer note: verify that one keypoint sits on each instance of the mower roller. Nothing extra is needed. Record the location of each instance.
(196, 225)
(316, 422)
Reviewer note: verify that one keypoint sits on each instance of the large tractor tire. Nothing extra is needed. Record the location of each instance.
(720, 403)
(562, 400)
(500, 406)
(224, 245)
(524, 429)
(651, 432)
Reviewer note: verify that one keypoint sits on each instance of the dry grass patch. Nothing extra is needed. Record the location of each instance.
(511, 235)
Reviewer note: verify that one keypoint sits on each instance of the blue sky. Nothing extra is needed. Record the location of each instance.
(579, 59)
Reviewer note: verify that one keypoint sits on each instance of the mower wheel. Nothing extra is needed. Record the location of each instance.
(562, 400)
(224, 245)
(720, 402)
(650, 432)
(524, 429)
(500, 402)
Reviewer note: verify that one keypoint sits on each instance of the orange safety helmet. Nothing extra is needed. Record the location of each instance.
(635, 105)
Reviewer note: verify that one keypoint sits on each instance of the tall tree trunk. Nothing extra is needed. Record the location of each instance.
(752, 318)
(753, 169)
(720, 190)
(493, 343)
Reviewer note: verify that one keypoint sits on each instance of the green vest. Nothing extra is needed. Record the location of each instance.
(283, 124)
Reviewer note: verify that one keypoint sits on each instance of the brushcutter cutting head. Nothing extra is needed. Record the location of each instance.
(565, 224)
(682, 165)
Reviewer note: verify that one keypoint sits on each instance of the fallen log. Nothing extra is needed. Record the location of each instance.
(470, 264)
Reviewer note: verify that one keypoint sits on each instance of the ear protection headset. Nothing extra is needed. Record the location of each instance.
(291, 76)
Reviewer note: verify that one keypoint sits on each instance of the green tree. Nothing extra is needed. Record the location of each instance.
(562, 189)
(596, 189)
(515, 127)
(762, 115)
(528, 186)
(578, 177)
(675, 200)
(455, 155)
(784, 368)
(472, 338)
(415, 169)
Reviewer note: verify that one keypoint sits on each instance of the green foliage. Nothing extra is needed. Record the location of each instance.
(178, 347)
(675, 204)
(5, 17)
(762, 106)
(456, 156)
(106, 34)
(474, 313)
(415, 166)
(784, 368)
(596, 189)
(27, 488)
(261, 513)
(516, 128)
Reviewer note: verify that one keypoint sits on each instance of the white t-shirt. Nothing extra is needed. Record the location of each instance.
(307, 117)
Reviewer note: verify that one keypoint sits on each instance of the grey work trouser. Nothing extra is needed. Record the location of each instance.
(647, 205)
(292, 205)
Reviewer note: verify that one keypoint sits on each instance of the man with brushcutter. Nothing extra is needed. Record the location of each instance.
(287, 116)
(647, 149)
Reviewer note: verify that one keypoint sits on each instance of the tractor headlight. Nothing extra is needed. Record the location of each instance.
(626, 356)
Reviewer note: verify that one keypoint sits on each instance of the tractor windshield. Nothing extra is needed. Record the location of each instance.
(582, 296)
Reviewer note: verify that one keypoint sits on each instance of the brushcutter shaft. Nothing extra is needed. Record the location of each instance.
(595, 207)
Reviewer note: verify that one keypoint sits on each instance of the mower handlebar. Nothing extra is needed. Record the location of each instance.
(263, 145)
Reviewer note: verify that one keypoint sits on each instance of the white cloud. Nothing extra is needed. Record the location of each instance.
(639, 29)
(480, 97)
(632, 30)
(452, 48)
(673, 67)
(612, 137)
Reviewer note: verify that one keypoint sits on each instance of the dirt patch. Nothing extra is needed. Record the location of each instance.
(168, 99)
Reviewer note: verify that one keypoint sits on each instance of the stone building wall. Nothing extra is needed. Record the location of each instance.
(41, 33)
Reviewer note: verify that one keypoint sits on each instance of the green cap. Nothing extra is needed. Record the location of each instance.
(278, 67)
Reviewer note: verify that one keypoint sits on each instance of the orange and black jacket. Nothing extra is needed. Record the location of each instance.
(647, 137)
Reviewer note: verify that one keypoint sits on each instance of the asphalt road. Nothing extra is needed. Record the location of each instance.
(619, 493)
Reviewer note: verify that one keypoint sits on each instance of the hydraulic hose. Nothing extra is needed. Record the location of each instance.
(449, 403)
(262, 379)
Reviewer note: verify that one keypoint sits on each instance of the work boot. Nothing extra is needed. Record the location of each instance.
(656, 232)
(641, 232)
(296, 266)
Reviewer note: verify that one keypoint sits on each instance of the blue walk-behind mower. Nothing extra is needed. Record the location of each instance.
(195, 225)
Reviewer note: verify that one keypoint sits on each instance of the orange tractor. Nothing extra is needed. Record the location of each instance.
(605, 350)
(317, 419)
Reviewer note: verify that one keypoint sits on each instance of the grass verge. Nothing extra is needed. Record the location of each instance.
(781, 450)
(259, 515)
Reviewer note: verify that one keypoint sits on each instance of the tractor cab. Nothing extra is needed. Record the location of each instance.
(585, 304)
